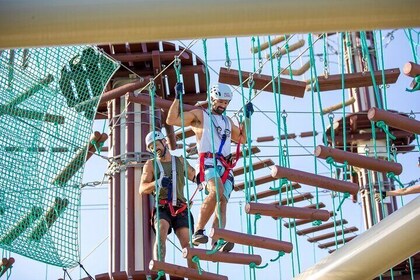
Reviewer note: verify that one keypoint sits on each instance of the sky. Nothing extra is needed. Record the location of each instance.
(94, 210)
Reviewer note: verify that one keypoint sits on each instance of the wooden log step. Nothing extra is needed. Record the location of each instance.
(255, 166)
(354, 80)
(258, 181)
(297, 198)
(251, 240)
(226, 257)
(254, 150)
(54, 211)
(332, 234)
(357, 160)
(311, 206)
(411, 69)
(181, 271)
(394, 120)
(22, 225)
(332, 243)
(286, 211)
(300, 222)
(321, 227)
(284, 188)
(314, 180)
(262, 82)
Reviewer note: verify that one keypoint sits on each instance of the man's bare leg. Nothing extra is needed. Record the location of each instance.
(183, 236)
(209, 204)
(163, 232)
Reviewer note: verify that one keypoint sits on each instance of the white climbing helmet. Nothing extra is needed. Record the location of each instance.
(221, 91)
(149, 138)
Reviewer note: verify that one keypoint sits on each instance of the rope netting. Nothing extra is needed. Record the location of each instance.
(48, 100)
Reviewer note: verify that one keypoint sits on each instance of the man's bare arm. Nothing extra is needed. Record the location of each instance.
(174, 115)
(240, 134)
(147, 182)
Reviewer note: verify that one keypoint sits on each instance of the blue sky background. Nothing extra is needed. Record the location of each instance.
(94, 210)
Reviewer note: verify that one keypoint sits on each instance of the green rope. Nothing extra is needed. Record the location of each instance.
(177, 67)
(196, 260)
(254, 265)
(365, 51)
(152, 92)
(228, 62)
(346, 195)
(384, 127)
(160, 274)
(279, 255)
(256, 218)
(216, 248)
(383, 70)
(212, 137)
(412, 44)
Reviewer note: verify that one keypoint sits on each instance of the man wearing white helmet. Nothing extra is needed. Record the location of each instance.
(204, 123)
(173, 212)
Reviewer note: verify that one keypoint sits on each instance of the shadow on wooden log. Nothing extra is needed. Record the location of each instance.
(181, 271)
(226, 257)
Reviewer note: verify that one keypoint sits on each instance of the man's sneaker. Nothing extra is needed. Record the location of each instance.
(199, 237)
(226, 246)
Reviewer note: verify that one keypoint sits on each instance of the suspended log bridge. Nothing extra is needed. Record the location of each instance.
(357, 160)
(314, 180)
(394, 120)
(251, 240)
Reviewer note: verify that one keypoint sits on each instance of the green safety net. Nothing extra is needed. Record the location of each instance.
(48, 101)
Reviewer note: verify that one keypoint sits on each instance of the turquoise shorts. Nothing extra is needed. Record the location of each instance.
(210, 173)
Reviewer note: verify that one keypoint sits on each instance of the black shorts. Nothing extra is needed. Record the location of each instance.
(179, 221)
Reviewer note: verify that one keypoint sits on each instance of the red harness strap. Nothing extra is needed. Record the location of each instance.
(165, 202)
(227, 165)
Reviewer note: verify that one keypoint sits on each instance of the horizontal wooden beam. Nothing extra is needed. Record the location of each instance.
(166, 56)
(354, 80)
(271, 192)
(258, 181)
(357, 160)
(255, 166)
(251, 240)
(262, 82)
(286, 211)
(226, 257)
(311, 206)
(394, 120)
(321, 227)
(411, 69)
(338, 233)
(299, 222)
(314, 180)
(339, 241)
(181, 271)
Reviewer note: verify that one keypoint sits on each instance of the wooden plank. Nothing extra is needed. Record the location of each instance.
(355, 80)
(332, 234)
(255, 166)
(262, 82)
(271, 192)
(297, 198)
(321, 227)
(332, 243)
(258, 181)
(300, 222)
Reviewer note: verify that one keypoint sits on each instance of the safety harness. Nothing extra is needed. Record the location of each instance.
(228, 164)
(171, 200)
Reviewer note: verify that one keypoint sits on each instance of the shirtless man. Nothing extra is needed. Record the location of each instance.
(224, 130)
